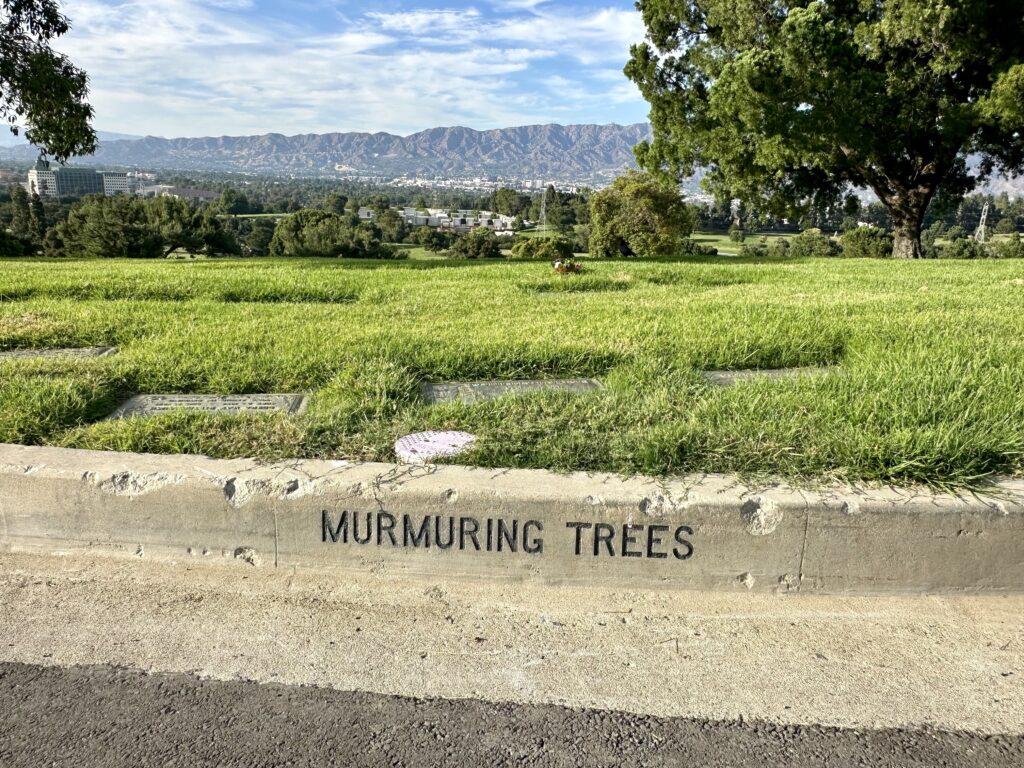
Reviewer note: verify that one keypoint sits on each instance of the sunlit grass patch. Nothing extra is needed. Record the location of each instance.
(921, 375)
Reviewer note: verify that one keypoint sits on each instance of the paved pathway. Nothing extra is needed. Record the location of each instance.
(697, 678)
(95, 717)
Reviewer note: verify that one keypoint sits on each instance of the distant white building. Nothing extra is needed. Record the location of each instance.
(415, 217)
(441, 218)
(183, 193)
(116, 184)
(63, 181)
(465, 220)
(42, 181)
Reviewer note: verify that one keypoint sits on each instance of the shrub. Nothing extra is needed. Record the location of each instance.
(812, 243)
(10, 245)
(1004, 226)
(866, 243)
(962, 248)
(434, 240)
(547, 248)
(774, 248)
(1009, 248)
(777, 248)
(736, 234)
(929, 240)
(755, 250)
(481, 243)
(688, 247)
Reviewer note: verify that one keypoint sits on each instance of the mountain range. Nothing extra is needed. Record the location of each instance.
(8, 139)
(563, 152)
(591, 154)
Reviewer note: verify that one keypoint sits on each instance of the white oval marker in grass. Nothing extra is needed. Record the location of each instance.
(424, 447)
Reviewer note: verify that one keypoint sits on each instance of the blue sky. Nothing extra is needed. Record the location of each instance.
(233, 67)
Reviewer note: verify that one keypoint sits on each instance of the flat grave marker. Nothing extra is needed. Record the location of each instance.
(469, 392)
(728, 378)
(80, 353)
(155, 405)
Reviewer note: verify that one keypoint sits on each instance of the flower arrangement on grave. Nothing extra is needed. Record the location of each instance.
(567, 266)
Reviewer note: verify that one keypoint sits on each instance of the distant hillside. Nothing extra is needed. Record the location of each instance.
(572, 152)
(8, 139)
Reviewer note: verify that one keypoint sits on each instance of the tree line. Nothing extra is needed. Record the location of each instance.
(638, 215)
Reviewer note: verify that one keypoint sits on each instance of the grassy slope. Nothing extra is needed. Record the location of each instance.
(927, 383)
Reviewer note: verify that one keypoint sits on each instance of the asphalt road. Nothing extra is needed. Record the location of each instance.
(103, 716)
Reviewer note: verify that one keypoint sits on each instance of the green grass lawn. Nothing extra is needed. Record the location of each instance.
(924, 361)
(727, 247)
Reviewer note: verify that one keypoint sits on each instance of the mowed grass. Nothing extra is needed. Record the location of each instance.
(922, 380)
(729, 247)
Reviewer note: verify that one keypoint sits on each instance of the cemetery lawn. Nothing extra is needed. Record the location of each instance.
(729, 247)
(923, 363)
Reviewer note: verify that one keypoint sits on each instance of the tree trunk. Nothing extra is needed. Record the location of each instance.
(907, 242)
(907, 212)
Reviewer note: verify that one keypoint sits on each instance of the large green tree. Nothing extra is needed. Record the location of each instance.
(39, 87)
(639, 215)
(314, 232)
(129, 227)
(790, 103)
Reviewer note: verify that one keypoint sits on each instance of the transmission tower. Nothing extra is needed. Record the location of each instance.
(981, 233)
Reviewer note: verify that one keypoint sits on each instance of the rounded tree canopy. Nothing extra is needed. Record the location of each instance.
(790, 103)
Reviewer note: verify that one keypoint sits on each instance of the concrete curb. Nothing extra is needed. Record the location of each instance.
(707, 532)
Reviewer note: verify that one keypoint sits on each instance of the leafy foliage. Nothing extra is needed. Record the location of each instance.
(233, 203)
(335, 203)
(962, 248)
(812, 243)
(866, 243)
(788, 103)
(10, 246)
(548, 248)
(393, 229)
(638, 215)
(1009, 248)
(509, 202)
(21, 213)
(313, 232)
(480, 243)
(434, 240)
(771, 248)
(39, 86)
(133, 228)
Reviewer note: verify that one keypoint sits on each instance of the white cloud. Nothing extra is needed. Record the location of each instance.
(213, 67)
(426, 22)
